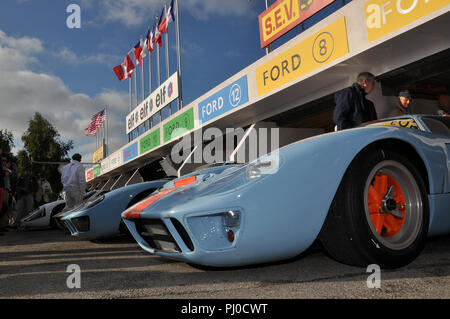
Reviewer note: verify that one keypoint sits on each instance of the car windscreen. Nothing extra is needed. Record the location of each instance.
(437, 124)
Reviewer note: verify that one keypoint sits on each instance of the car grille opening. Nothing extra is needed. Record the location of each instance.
(81, 223)
(183, 234)
(157, 236)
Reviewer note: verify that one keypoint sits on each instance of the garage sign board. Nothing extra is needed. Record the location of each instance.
(179, 125)
(284, 15)
(386, 16)
(321, 48)
(230, 97)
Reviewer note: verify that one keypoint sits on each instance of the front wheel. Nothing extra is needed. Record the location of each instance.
(380, 213)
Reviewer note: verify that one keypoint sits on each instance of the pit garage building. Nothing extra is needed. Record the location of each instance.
(404, 43)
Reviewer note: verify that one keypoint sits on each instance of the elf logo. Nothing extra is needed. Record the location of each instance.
(170, 90)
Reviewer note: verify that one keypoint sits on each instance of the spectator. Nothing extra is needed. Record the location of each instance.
(2, 185)
(352, 107)
(46, 190)
(4, 216)
(13, 179)
(38, 195)
(403, 102)
(26, 187)
(73, 179)
(444, 104)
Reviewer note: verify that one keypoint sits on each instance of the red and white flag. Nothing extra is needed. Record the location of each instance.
(151, 38)
(137, 52)
(130, 61)
(166, 19)
(158, 35)
(121, 72)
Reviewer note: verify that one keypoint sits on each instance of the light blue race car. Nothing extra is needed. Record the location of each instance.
(100, 217)
(370, 195)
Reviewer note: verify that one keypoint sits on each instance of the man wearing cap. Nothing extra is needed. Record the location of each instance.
(403, 103)
(73, 179)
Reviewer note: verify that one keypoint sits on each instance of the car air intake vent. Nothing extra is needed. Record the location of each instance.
(183, 233)
(157, 236)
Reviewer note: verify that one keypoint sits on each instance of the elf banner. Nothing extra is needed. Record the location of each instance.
(159, 98)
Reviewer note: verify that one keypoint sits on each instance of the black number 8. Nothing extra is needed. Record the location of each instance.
(323, 47)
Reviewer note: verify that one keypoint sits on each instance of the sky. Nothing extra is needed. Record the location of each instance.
(66, 74)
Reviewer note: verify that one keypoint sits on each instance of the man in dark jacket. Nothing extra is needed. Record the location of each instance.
(352, 107)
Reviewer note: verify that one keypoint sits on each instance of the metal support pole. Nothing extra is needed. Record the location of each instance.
(180, 98)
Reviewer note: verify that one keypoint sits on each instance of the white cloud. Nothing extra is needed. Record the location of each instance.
(68, 56)
(24, 44)
(24, 92)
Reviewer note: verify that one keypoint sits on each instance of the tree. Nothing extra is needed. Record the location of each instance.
(23, 161)
(6, 141)
(43, 143)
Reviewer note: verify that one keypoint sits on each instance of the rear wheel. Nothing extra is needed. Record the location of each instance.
(380, 213)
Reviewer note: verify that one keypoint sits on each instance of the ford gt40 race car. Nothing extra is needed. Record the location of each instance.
(371, 195)
(43, 216)
(101, 217)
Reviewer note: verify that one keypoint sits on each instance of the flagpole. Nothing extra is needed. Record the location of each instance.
(180, 98)
(158, 66)
(157, 59)
(150, 72)
(142, 75)
(269, 47)
(107, 142)
(167, 42)
(136, 90)
(131, 94)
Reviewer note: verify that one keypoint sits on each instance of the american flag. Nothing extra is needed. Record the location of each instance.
(96, 121)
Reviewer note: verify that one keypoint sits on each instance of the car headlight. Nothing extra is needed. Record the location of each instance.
(265, 165)
(94, 202)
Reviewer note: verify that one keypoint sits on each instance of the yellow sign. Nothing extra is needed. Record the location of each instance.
(284, 15)
(321, 48)
(402, 123)
(98, 155)
(386, 16)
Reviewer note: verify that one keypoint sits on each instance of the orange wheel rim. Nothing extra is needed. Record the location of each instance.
(385, 224)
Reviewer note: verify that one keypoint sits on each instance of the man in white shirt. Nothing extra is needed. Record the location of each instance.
(73, 179)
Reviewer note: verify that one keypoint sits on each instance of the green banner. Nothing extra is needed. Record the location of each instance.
(97, 170)
(179, 125)
(150, 141)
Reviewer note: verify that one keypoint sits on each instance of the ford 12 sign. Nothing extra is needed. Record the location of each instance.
(227, 99)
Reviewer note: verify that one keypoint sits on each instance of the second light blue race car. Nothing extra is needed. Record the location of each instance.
(371, 195)
(100, 217)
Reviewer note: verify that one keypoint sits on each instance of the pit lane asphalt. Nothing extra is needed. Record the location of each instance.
(33, 264)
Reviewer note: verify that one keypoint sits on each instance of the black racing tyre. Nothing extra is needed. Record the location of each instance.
(380, 213)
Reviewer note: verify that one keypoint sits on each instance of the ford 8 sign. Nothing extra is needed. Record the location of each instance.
(284, 15)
